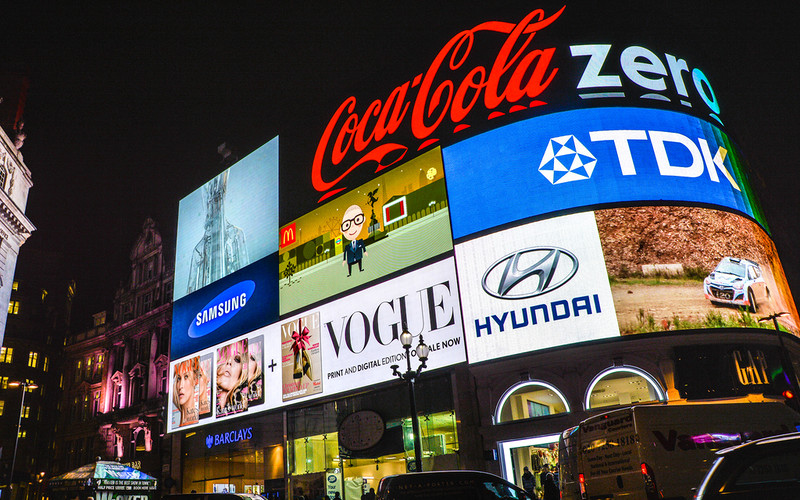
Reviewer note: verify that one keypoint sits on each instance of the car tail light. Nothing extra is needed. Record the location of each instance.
(650, 486)
(582, 483)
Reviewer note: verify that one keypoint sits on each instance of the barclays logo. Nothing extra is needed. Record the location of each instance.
(529, 273)
(221, 309)
(229, 437)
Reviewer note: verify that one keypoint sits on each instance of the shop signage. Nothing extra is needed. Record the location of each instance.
(713, 371)
(229, 437)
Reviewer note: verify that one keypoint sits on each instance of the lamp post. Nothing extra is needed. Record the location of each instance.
(410, 377)
(25, 385)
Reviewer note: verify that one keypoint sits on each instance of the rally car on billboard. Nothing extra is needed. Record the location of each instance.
(736, 282)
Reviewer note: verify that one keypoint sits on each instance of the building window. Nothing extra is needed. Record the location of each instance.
(45, 364)
(117, 395)
(530, 399)
(78, 368)
(164, 379)
(13, 307)
(15, 286)
(33, 359)
(2, 405)
(26, 412)
(3, 382)
(148, 302)
(6, 354)
(623, 385)
(96, 403)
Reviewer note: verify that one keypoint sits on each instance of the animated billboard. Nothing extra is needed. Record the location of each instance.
(366, 234)
(226, 254)
(340, 346)
(617, 271)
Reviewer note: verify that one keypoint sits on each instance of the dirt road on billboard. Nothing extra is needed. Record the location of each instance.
(655, 307)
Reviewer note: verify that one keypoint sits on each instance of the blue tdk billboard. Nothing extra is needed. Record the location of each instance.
(226, 254)
(591, 158)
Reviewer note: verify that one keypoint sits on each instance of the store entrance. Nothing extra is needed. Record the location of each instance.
(532, 453)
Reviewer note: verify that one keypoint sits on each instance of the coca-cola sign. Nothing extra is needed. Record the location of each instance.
(438, 101)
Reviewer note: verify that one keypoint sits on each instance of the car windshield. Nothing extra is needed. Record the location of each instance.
(729, 267)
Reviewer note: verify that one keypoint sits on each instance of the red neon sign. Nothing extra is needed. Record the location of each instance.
(518, 71)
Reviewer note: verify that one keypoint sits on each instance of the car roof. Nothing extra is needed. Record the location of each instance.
(782, 441)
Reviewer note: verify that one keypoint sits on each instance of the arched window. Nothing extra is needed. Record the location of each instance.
(622, 385)
(530, 399)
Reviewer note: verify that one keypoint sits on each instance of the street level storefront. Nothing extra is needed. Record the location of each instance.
(323, 452)
(528, 400)
(103, 480)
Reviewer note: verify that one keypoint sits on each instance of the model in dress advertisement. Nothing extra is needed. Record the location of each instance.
(185, 392)
(255, 378)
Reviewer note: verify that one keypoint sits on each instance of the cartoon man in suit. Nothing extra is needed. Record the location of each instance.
(355, 250)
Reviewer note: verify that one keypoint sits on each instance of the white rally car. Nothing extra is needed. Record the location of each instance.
(736, 282)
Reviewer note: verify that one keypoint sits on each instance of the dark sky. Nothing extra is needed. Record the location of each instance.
(128, 101)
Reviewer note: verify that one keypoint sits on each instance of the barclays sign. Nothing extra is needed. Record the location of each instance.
(229, 437)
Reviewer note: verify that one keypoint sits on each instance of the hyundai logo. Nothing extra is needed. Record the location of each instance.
(529, 273)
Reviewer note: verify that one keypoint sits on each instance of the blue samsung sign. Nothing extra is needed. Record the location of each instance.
(238, 303)
(592, 157)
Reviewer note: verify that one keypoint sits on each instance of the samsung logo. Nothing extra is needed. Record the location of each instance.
(221, 309)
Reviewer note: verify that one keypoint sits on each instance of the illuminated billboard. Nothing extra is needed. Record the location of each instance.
(229, 222)
(226, 255)
(617, 271)
(535, 286)
(398, 220)
(590, 158)
(340, 346)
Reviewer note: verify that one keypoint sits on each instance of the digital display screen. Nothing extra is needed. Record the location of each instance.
(618, 271)
(397, 220)
(340, 346)
(229, 222)
(591, 158)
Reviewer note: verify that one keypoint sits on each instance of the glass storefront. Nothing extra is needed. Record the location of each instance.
(244, 456)
(318, 465)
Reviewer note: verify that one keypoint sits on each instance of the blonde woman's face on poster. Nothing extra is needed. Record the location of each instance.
(229, 372)
(186, 383)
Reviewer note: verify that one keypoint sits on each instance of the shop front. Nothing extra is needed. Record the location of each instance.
(346, 446)
(239, 456)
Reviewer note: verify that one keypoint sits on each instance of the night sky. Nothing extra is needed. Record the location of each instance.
(129, 101)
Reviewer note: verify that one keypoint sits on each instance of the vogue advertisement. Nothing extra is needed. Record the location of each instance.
(301, 367)
(232, 373)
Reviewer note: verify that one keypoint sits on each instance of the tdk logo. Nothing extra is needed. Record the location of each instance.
(221, 309)
(566, 159)
(529, 272)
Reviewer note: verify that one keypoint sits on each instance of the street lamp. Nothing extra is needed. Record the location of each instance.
(410, 376)
(25, 386)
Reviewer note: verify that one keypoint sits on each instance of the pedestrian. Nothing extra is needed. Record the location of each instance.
(549, 485)
(528, 481)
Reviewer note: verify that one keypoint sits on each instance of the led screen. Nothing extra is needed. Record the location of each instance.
(618, 271)
(340, 346)
(591, 157)
(397, 220)
(229, 222)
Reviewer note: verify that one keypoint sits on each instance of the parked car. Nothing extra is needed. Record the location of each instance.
(736, 282)
(449, 485)
(767, 468)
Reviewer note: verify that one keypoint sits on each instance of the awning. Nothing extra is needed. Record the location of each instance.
(103, 475)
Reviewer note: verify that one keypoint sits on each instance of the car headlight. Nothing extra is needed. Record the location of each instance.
(738, 284)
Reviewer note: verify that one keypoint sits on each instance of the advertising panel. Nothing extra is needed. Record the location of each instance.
(592, 157)
(618, 271)
(226, 255)
(366, 234)
(239, 302)
(535, 286)
(341, 346)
